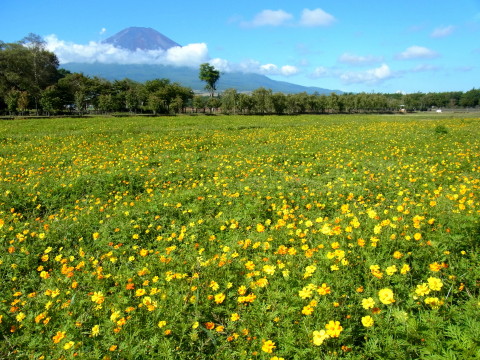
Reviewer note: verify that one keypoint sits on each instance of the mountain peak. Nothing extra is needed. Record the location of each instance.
(142, 38)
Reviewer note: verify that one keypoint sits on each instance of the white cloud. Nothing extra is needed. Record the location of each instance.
(372, 76)
(288, 70)
(269, 18)
(308, 18)
(316, 17)
(353, 59)
(189, 55)
(425, 67)
(442, 31)
(253, 66)
(103, 31)
(417, 52)
(320, 72)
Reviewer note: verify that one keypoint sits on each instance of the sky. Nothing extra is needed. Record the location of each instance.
(355, 46)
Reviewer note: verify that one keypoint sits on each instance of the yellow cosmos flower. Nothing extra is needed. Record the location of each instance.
(386, 296)
(333, 328)
(68, 345)
(219, 298)
(319, 337)
(368, 303)
(422, 289)
(268, 346)
(98, 297)
(95, 330)
(367, 321)
(434, 283)
(140, 292)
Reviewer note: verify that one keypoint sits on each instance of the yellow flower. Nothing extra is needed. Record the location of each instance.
(386, 296)
(161, 323)
(140, 292)
(434, 283)
(249, 265)
(96, 330)
(68, 345)
(367, 321)
(405, 268)
(397, 255)
(95, 235)
(334, 328)
(234, 317)
(307, 310)
(319, 337)
(269, 269)
(268, 346)
(368, 303)
(219, 298)
(434, 302)
(20, 316)
(98, 297)
(391, 270)
(305, 293)
(422, 289)
(324, 289)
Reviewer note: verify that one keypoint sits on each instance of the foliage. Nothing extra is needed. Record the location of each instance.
(294, 237)
(210, 75)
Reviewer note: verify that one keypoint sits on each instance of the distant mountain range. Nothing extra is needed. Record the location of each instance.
(134, 38)
(189, 77)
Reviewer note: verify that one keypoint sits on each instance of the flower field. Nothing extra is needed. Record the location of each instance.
(229, 237)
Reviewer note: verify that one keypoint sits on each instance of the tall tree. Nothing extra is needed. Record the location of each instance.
(27, 66)
(210, 75)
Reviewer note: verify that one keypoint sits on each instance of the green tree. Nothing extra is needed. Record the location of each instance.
(279, 102)
(229, 101)
(23, 102)
(262, 100)
(210, 75)
(27, 66)
(245, 103)
(199, 102)
(471, 98)
(50, 100)
(11, 99)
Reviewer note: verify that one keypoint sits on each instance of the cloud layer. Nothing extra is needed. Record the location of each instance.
(417, 52)
(189, 55)
(271, 18)
(353, 59)
(308, 18)
(442, 31)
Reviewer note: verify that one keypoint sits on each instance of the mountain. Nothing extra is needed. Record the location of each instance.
(189, 77)
(134, 38)
(142, 38)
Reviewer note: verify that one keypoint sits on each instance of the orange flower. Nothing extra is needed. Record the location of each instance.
(58, 337)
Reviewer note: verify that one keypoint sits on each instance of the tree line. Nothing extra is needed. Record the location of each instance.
(31, 80)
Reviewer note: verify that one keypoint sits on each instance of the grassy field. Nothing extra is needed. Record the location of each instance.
(227, 237)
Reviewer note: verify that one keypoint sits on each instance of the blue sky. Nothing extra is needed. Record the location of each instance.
(370, 45)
